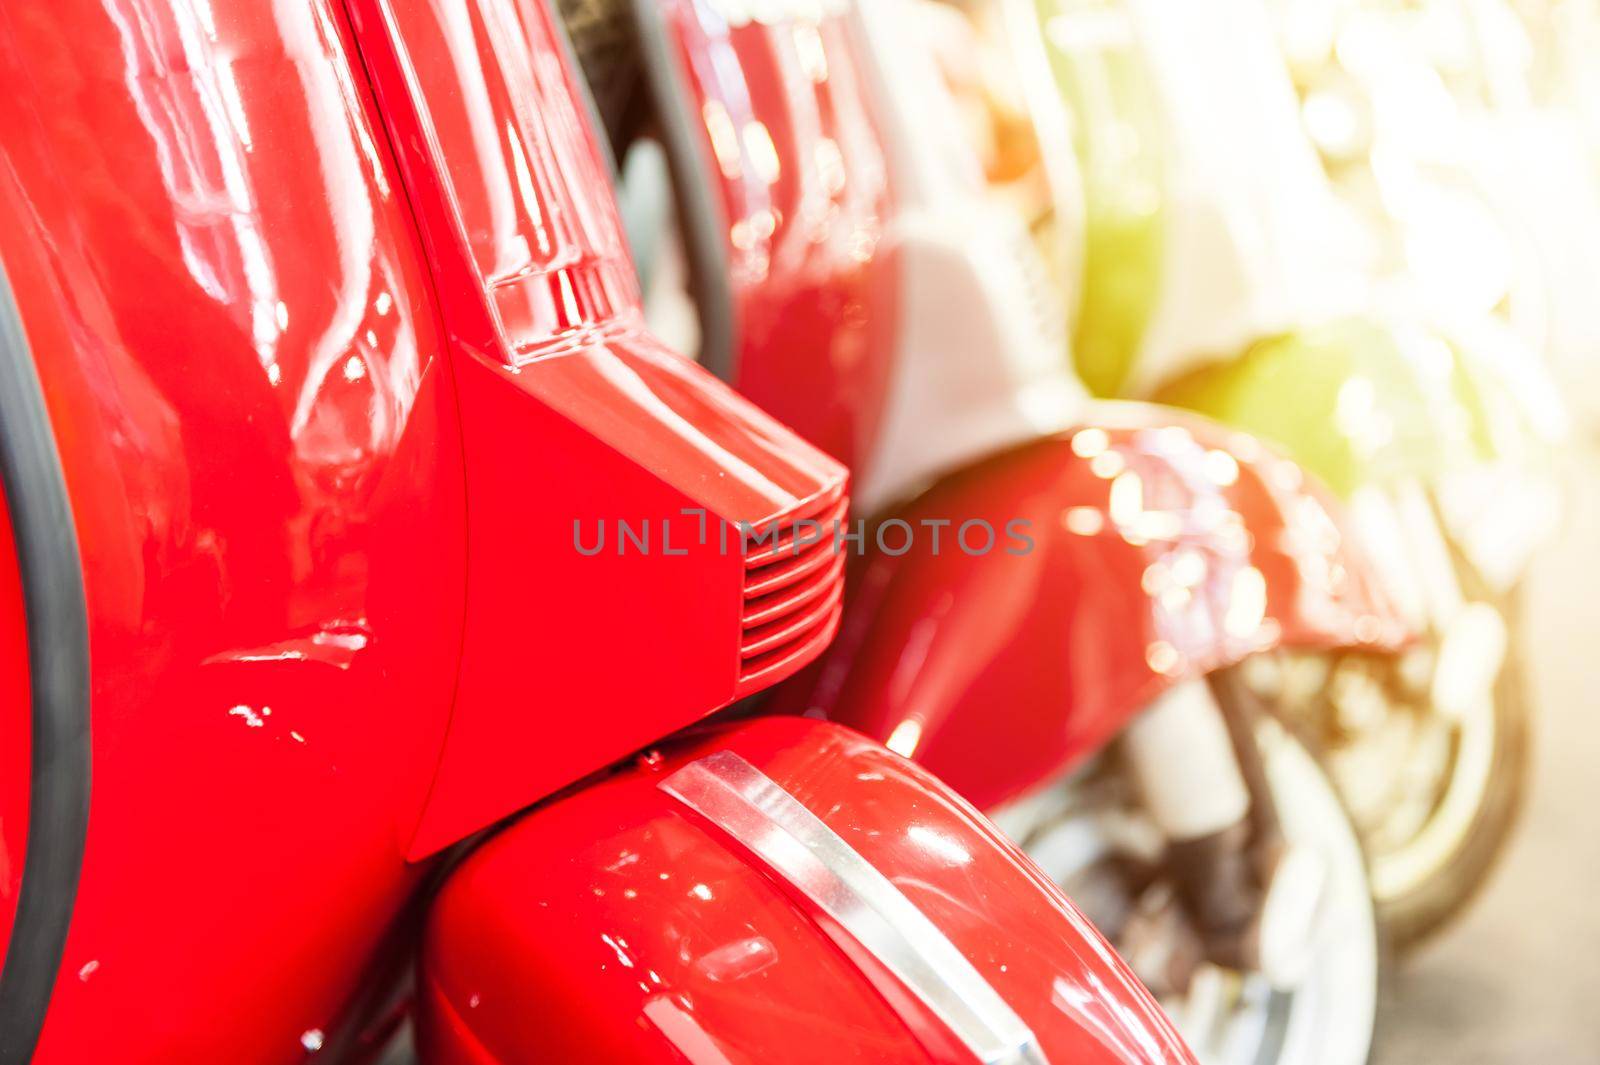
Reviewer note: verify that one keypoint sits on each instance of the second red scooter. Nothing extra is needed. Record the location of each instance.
(851, 273)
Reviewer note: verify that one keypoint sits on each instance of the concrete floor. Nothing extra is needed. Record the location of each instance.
(1517, 980)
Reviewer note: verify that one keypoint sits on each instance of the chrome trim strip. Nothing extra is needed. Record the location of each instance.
(793, 842)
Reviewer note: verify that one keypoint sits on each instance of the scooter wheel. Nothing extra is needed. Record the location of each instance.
(1329, 1016)
(1089, 833)
(1434, 799)
(1454, 879)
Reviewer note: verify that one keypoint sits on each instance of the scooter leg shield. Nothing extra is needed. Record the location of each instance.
(1017, 614)
(781, 890)
(1344, 400)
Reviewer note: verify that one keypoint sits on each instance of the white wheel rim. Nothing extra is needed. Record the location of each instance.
(1327, 1018)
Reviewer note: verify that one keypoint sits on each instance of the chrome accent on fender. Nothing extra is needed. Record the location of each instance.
(793, 842)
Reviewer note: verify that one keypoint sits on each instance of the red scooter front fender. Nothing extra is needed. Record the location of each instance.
(1139, 550)
(677, 910)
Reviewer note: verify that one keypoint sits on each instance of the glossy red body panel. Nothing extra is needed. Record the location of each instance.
(15, 738)
(653, 638)
(568, 408)
(232, 323)
(286, 414)
(679, 948)
(1000, 670)
(802, 184)
(1153, 556)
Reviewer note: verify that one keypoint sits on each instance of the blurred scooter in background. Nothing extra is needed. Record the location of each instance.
(318, 713)
(851, 268)
(1454, 132)
(1223, 274)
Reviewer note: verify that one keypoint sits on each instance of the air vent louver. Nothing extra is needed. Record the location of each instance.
(793, 590)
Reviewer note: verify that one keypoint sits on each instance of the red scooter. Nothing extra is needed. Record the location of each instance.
(365, 590)
(1040, 575)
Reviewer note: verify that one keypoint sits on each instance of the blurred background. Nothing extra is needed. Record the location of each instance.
(1458, 142)
(1365, 232)
(1518, 978)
